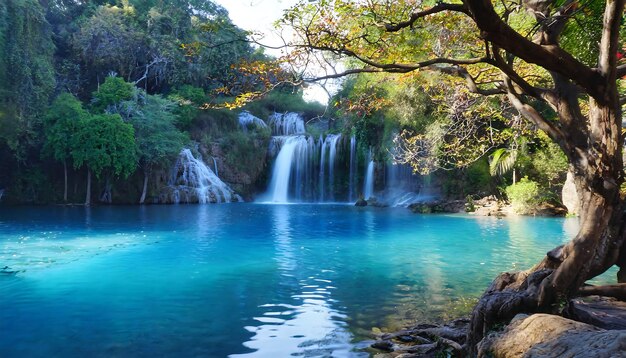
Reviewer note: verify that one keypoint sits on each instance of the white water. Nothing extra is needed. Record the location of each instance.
(215, 166)
(322, 161)
(331, 141)
(286, 124)
(248, 121)
(305, 168)
(279, 185)
(368, 186)
(192, 181)
(353, 164)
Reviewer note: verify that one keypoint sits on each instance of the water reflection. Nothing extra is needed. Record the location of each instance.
(308, 324)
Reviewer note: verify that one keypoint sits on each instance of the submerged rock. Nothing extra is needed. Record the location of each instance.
(544, 335)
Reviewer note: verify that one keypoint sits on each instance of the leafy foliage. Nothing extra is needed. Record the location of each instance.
(113, 91)
(105, 145)
(524, 196)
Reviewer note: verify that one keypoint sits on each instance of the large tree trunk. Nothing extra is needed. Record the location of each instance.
(88, 195)
(145, 187)
(106, 196)
(597, 246)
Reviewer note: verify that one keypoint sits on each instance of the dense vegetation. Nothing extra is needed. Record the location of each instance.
(114, 89)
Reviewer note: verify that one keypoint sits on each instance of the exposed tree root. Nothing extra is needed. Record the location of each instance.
(616, 291)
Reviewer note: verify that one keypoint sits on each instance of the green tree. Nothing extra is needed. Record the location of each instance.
(105, 145)
(111, 93)
(158, 139)
(26, 73)
(62, 120)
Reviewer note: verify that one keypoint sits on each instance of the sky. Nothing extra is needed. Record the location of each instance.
(258, 16)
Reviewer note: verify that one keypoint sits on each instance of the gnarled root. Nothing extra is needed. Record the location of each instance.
(508, 295)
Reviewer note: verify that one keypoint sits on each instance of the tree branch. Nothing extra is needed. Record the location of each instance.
(550, 57)
(535, 117)
(416, 15)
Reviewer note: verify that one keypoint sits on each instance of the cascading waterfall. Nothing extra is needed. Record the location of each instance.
(286, 124)
(331, 142)
(193, 182)
(305, 168)
(247, 121)
(368, 186)
(322, 162)
(353, 164)
(215, 166)
(279, 186)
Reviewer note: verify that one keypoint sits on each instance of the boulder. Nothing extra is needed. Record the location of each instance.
(544, 335)
(361, 202)
(569, 195)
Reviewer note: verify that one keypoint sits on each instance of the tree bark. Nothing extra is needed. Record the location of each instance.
(145, 187)
(65, 182)
(88, 195)
(107, 196)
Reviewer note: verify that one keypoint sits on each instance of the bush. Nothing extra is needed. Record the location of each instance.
(524, 196)
(245, 152)
(284, 101)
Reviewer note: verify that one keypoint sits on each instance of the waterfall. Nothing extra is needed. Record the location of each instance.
(293, 169)
(286, 124)
(248, 121)
(322, 176)
(331, 140)
(279, 186)
(192, 181)
(305, 169)
(368, 187)
(1, 193)
(353, 163)
(215, 166)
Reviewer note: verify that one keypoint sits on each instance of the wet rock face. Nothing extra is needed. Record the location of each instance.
(544, 335)
(241, 180)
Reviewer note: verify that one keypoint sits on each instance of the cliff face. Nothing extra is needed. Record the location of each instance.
(246, 174)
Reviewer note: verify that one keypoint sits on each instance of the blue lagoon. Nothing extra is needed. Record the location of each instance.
(243, 279)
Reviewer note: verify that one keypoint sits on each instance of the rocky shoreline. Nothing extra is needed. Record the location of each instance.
(487, 206)
(590, 327)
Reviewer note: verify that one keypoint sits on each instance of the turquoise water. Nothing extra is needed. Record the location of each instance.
(243, 279)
